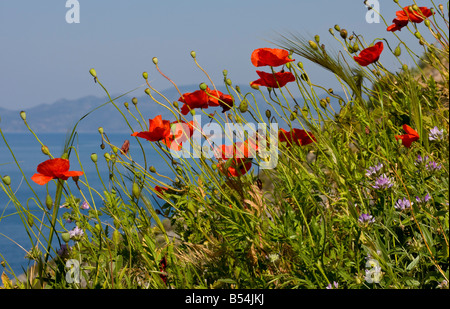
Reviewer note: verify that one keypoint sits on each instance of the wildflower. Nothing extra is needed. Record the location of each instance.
(273, 80)
(373, 169)
(334, 286)
(406, 15)
(366, 219)
(369, 55)
(403, 204)
(425, 199)
(76, 233)
(52, 169)
(383, 182)
(410, 136)
(180, 132)
(240, 155)
(432, 166)
(160, 191)
(270, 57)
(162, 269)
(420, 160)
(63, 250)
(84, 205)
(158, 130)
(191, 100)
(436, 134)
(297, 136)
(125, 147)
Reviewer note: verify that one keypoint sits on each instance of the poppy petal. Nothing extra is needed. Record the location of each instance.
(41, 179)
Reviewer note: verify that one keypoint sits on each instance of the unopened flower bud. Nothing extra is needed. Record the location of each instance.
(415, 7)
(100, 130)
(331, 31)
(337, 28)
(256, 87)
(300, 65)
(175, 104)
(45, 150)
(192, 112)
(228, 82)
(136, 190)
(397, 51)
(305, 77)
(134, 101)
(30, 220)
(193, 54)
(418, 35)
(317, 38)
(343, 33)
(65, 237)
(126, 105)
(155, 60)
(323, 103)
(313, 45)
(243, 107)
(427, 23)
(145, 75)
(23, 115)
(203, 86)
(152, 169)
(94, 157)
(355, 47)
(48, 202)
(93, 73)
(268, 113)
(225, 73)
(6, 180)
(65, 156)
(147, 91)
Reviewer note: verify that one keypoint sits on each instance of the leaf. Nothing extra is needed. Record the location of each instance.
(413, 263)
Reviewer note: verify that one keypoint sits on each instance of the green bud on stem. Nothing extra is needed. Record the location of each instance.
(45, 150)
(6, 180)
(134, 101)
(65, 237)
(93, 73)
(136, 190)
(397, 51)
(343, 34)
(243, 107)
(94, 157)
(145, 75)
(313, 45)
(155, 60)
(203, 86)
(23, 115)
(193, 54)
(48, 202)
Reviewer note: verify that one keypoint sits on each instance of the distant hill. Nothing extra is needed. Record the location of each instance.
(62, 115)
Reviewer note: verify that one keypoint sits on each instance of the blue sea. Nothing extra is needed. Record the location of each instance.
(14, 240)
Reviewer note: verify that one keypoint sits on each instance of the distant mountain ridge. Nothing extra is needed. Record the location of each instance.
(62, 115)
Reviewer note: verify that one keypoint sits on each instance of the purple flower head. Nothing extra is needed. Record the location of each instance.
(76, 232)
(373, 169)
(420, 160)
(383, 182)
(64, 250)
(403, 204)
(432, 166)
(436, 134)
(84, 205)
(425, 199)
(334, 286)
(366, 219)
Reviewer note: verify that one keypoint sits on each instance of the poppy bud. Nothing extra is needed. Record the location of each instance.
(243, 107)
(331, 31)
(397, 51)
(134, 101)
(45, 150)
(65, 237)
(355, 47)
(225, 73)
(313, 45)
(214, 166)
(328, 100)
(268, 113)
(300, 65)
(100, 130)
(415, 7)
(136, 190)
(330, 90)
(152, 169)
(343, 33)
(317, 38)
(293, 116)
(30, 220)
(6, 180)
(417, 35)
(107, 156)
(228, 82)
(155, 60)
(256, 87)
(126, 105)
(203, 86)
(94, 157)
(93, 73)
(193, 55)
(405, 67)
(48, 202)
(192, 112)
(427, 23)
(147, 91)
(337, 27)
(65, 156)
(102, 146)
(175, 104)
(351, 37)
(23, 115)
(323, 103)
(145, 75)
(304, 76)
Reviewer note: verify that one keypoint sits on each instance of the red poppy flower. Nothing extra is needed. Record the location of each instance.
(410, 136)
(217, 98)
(53, 168)
(297, 136)
(161, 190)
(405, 15)
(191, 100)
(158, 130)
(180, 132)
(270, 80)
(241, 155)
(369, 55)
(270, 56)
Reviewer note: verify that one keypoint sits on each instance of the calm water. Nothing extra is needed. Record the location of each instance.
(28, 153)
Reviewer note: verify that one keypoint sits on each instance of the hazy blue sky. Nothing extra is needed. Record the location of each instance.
(43, 58)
